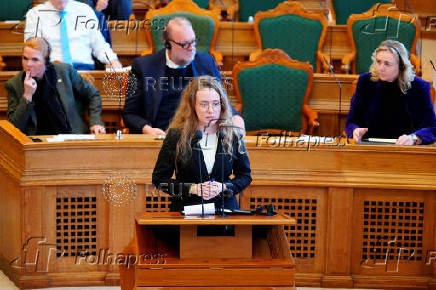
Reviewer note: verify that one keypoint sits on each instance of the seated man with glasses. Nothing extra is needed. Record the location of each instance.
(161, 77)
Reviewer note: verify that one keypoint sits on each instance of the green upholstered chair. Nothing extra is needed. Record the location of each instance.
(342, 9)
(293, 29)
(14, 10)
(249, 8)
(203, 4)
(204, 22)
(273, 92)
(367, 30)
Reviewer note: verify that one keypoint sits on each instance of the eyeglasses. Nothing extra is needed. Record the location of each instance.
(204, 106)
(185, 45)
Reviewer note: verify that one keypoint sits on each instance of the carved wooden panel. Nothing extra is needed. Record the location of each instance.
(389, 227)
(76, 223)
(307, 205)
(157, 201)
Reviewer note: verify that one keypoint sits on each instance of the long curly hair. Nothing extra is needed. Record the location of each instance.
(186, 118)
(406, 75)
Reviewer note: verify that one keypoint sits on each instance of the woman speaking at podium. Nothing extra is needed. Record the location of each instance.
(203, 149)
(391, 102)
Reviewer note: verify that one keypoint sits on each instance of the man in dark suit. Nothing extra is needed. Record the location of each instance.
(49, 99)
(161, 78)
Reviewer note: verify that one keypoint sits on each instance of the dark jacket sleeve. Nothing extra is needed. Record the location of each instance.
(19, 111)
(89, 95)
(241, 168)
(354, 118)
(133, 115)
(165, 167)
(424, 113)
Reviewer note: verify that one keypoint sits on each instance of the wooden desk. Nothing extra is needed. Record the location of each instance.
(324, 98)
(349, 202)
(253, 251)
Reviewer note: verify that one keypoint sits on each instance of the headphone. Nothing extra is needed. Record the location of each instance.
(165, 37)
(400, 59)
(47, 58)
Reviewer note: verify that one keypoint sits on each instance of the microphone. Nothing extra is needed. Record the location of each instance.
(221, 136)
(340, 93)
(325, 10)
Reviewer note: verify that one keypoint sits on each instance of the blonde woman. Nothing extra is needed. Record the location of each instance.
(203, 149)
(391, 102)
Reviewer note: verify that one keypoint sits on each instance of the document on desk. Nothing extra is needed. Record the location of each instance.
(71, 137)
(378, 141)
(123, 69)
(209, 208)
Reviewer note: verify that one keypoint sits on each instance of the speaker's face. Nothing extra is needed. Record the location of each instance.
(387, 66)
(33, 62)
(182, 40)
(207, 107)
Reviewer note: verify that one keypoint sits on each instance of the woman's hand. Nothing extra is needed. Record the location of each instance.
(358, 133)
(29, 87)
(408, 140)
(210, 189)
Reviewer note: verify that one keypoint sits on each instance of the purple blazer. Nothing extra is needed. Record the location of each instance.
(419, 117)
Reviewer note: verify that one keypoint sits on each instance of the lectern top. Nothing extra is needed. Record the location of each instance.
(176, 218)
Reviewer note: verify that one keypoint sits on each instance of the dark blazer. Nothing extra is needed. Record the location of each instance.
(418, 103)
(189, 172)
(142, 104)
(76, 95)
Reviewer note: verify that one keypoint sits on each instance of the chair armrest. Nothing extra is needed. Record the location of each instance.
(2, 64)
(312, 118)
(255, 54)
(218, 57)
(325, 67)
(414, 59)
(238, 108)
(124, 129)
(346, 61)
(147, 51)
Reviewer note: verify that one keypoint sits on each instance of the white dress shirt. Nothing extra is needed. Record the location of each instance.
(82, 26)
(170, 63)
(209, 150)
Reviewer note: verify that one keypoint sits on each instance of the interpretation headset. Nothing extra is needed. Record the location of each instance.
(166, 38)
(400, 59)
(47, 58)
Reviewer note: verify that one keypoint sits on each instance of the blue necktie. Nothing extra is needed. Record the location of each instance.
(66, 53)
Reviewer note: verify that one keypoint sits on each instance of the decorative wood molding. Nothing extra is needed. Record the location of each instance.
(295, 8)
(278, 56)
(381, 10)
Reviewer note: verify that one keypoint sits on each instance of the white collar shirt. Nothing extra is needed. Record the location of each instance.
(170, 63)
(83, 32)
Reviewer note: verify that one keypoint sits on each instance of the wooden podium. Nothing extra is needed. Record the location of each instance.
(172, 250)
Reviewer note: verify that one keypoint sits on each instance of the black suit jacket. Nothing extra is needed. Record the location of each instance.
(189, 172)
(142, 103)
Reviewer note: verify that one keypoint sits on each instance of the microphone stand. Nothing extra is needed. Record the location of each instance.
(221, 136)
(201, 178)
(199, 134)
(340, 94)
